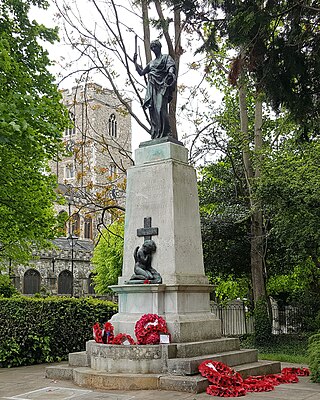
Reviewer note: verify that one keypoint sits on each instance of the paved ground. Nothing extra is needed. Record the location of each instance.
(29, 383)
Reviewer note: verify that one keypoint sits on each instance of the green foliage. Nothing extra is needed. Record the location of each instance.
(6, 287)
(36, 330)
(224, 219)
(314, 357)
(262, 323)
(298, 286)
(280, 44)
(290, 190)
(108, 256)
(228, 288)
(32, 119)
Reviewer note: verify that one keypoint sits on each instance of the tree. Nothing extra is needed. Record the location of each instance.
(289, 189)
(31, 119)
(278, 43)
(263, 34)
(108, 256)
(224, 220)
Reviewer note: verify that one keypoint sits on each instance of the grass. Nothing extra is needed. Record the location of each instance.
(289, 358)
(284, 348)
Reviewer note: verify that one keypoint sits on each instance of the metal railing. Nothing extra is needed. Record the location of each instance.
(236, 319)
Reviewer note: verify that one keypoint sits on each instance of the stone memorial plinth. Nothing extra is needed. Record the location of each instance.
(162, 204)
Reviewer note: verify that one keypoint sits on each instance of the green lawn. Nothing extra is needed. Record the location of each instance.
(285, 348)
(290, 358)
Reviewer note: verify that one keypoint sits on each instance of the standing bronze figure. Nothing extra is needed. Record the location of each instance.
(161, 84)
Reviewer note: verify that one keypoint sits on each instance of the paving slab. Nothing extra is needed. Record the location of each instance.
(29, 383)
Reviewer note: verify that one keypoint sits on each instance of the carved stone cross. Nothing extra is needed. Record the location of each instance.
(147, 231)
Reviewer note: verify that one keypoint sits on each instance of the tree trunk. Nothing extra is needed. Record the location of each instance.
(257, 231)
(146, 30)
(257, 228)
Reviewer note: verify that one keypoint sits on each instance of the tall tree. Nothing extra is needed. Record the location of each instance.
(276, 59)
(31, 119)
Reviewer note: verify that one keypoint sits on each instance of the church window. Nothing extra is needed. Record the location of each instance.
(112, 170)
(62, 221)
(71, 130)
(112, 126)
(88, 228)
(69, 172)
(75, 224)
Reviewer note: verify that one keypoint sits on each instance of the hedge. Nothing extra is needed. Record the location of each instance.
(36, 330)
(314, 357)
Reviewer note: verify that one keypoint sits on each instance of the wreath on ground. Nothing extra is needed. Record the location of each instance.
(225, 382)
(149, 328)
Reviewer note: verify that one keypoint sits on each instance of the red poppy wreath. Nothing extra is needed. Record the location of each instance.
(123, 338)
(225, 382)
(104, 335)
(97, 333)
(149, 327)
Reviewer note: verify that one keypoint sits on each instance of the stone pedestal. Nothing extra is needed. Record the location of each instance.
(162, 186)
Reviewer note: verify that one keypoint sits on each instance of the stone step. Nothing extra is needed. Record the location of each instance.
(193, 349)
(189, 384)
(79, 359)
(261, 367)
(62, 372)
(90, 378)
(199, 384)
(189, 366)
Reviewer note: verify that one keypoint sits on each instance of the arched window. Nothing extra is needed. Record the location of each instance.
(91, 284)
(65, 282)
(75, 224)
(88, 228)
(62, 221)
(112, 126)
(71, 130)
(69, 171)
(112, 170)
(31, 282)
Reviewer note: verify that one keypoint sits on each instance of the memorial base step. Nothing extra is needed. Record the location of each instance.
(87, 377)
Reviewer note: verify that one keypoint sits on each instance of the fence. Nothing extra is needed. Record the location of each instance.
(237, 320)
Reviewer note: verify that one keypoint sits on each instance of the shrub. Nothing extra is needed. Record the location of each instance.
(35, 330)
(6, 287)
(314, 357)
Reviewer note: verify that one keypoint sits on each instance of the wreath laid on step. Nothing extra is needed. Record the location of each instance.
(104, 335)
(123, 338)
(225, 382)
(149, 328)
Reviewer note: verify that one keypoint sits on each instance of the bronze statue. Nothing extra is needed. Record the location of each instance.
(143, 272)
(161, 84)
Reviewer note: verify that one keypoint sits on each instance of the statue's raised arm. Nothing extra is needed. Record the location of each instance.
(162, 79)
